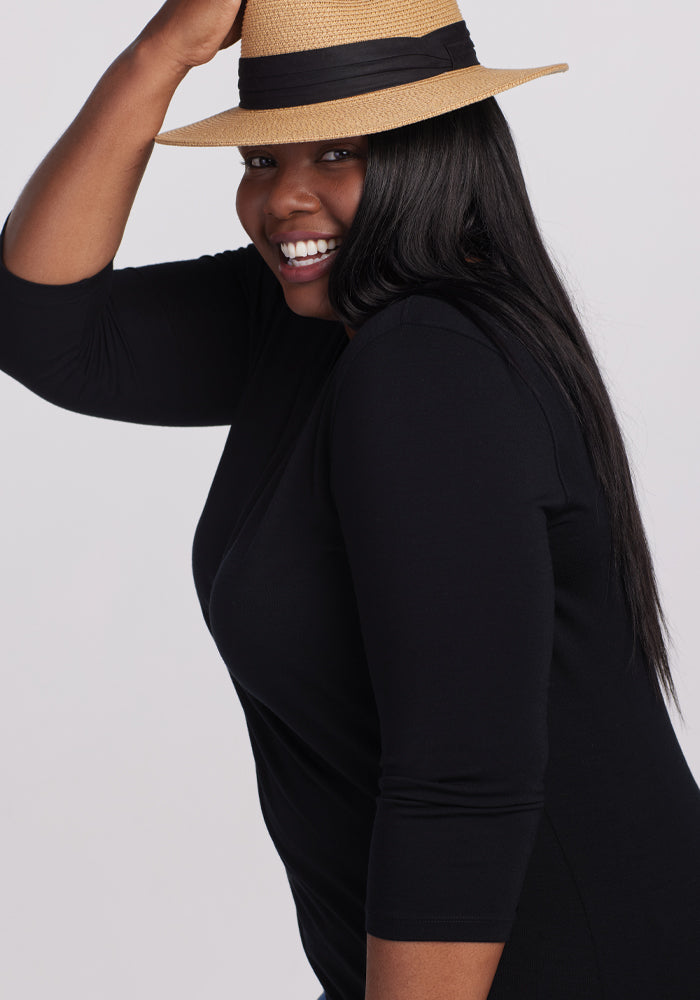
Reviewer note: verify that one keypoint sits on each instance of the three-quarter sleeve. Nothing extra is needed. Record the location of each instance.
(165, 344)
(442, 467)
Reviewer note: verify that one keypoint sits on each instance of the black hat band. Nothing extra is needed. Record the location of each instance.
(315, 75)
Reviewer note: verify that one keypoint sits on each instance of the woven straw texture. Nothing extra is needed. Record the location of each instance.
(361, 115)
(275, 27)
(272, 27)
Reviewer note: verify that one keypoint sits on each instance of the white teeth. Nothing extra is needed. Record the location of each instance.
(308, 263)
(309, 248)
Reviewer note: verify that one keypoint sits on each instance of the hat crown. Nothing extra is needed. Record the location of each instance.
(274, 27)
(311, 70)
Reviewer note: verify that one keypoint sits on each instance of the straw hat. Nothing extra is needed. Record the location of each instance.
(321, 69)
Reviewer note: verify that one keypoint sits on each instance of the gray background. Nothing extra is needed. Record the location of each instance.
(134, 859)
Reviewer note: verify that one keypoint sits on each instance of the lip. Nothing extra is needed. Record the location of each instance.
(300, 275)
(294, 235)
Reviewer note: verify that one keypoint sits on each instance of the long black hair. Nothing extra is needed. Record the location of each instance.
(445, 211)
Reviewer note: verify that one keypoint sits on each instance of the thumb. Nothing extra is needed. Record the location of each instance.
(235, 32)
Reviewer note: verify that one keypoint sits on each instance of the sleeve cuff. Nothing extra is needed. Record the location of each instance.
(425, 929)
(36, 292)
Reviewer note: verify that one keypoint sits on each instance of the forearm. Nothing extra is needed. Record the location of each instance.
(430, 970)
(70, 218)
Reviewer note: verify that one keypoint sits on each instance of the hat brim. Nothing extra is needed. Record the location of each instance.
(358, 115)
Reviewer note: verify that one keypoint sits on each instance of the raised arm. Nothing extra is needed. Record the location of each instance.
(163, 344)
(69, 220)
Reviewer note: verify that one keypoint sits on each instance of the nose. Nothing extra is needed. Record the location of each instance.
(291, 191)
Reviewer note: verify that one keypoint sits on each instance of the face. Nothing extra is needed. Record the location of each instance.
(293, 193)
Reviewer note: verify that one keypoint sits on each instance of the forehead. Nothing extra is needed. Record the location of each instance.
(292, 148)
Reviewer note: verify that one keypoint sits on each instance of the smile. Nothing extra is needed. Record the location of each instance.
(308, 261)
(302, 269)
(309, 248)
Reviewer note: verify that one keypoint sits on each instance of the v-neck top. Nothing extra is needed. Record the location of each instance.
(404, 560)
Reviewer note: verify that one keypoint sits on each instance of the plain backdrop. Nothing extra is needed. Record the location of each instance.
(135, 862)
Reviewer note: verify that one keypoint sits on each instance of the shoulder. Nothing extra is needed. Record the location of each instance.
(240, 269)
(422, 365)
(433, 315)
(428, 345)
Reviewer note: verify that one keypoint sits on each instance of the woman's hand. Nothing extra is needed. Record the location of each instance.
(191, 32)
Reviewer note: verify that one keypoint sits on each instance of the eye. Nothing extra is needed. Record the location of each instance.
(248, 161)
(342, 149)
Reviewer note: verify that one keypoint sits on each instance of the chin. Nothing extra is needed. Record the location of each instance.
(309, 305)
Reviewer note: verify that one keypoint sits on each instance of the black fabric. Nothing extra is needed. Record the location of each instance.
(404, 560)
(315, 75)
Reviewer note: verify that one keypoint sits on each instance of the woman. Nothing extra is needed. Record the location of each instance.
(421, 557)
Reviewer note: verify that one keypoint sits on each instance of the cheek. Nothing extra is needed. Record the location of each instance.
(352, 196)
(240, 210)
(245, 208)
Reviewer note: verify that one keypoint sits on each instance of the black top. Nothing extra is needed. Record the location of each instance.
(404, 560)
